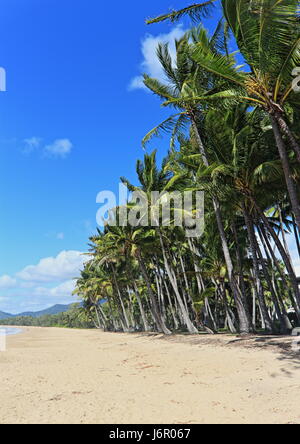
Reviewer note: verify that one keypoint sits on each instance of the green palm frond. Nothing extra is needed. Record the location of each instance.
(268, 171)
(165, 59)
(268, 35)
(160, 89)
(172, 124)
(219, 65)
(196, 12)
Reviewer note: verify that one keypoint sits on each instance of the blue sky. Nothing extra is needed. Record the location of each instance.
(72, 121)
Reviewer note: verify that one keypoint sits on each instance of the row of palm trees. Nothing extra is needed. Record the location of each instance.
(234, 135)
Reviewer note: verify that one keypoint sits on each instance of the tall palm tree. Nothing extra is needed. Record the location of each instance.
(186, 81)
(271, 60)
(153, 179)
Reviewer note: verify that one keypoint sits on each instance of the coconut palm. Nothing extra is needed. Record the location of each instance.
(186, 81)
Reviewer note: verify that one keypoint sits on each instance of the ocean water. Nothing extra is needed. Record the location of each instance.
(9, 331)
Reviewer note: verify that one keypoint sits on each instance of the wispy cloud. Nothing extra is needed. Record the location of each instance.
(150, 64)
(31, 144)
(60, 148)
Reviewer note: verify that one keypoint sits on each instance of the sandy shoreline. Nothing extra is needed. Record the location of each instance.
(71, 376)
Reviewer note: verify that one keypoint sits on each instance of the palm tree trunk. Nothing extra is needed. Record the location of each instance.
(286, 247)
(173, 313)
(244, 322)
(282, 319)
(111, 314)
(296, 234)
(100, 325)
(186, 281)
(241, 271)
(197, 269)
(190, 326)
(287, 132)
(127, 326)
(155, 309)
(282, 252)
(229, 318)
(254, 298)
(141, 308)
(253, 247)
(291, 186)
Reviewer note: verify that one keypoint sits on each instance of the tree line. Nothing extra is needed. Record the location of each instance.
(75, 317)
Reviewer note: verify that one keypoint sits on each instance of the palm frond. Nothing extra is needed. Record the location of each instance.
(170, 125)
(196, 12)
(158, 88)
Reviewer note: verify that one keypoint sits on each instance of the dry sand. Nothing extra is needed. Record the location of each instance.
(71, 376)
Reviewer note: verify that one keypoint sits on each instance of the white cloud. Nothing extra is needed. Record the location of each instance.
(59, 148)
(60, 236)
(54, 269)
(7, 282)
(31, 144)
(62, 291)
(49, 282)
(150, 64)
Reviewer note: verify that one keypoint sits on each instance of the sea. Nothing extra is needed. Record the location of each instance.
(9, 331)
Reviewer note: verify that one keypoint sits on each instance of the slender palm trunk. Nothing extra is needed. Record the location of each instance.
(155, 309)
(171, 306)
(280, 315)
(244, 321)
(241, 270)
(115, 327)
(127, 326)
(282, 252)
(141, 308)
(253, 247)
(291, 186)
(296, 234)
(286, 247)
(222, 292)
(287, 132)
(139, 300)
(188, 292)
(172, 277)
(254, 299)
(100, 325)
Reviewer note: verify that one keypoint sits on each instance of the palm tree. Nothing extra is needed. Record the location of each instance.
(256, 179)
(185, 83)
(272, 62)
(152, 179)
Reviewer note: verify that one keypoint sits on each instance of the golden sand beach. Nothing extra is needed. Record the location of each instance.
(80, 376)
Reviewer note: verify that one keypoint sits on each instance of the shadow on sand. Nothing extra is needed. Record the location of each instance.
(287, 347)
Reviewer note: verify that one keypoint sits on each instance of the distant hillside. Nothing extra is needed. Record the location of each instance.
(5, 315)
(56, 309)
